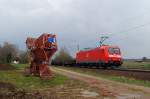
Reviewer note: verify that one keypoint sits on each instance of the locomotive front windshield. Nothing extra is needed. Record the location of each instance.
(114, 51)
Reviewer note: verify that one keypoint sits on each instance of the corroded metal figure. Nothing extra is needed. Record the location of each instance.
(41, 50)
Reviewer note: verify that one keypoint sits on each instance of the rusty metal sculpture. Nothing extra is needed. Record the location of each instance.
(41, 50)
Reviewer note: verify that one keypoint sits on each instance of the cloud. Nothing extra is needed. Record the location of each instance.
(33, 7)
(78, 22)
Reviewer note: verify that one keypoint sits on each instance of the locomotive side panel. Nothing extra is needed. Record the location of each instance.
(92, 57)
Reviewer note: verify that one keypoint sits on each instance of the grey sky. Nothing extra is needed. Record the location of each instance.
(78, 22)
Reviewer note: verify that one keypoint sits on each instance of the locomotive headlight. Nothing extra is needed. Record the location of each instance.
(118, 56)
(110, 56)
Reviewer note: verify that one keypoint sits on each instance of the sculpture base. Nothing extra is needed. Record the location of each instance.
(41, 70)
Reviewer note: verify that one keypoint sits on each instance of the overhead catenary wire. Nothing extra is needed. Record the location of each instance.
(130, 29)
(141, 15)
(124, 31)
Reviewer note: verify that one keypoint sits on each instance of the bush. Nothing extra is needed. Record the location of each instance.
(63, 57)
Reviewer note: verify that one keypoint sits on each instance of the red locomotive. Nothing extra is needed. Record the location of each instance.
(104, 56)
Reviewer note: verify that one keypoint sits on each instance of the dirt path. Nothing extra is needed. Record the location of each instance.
(107, 88)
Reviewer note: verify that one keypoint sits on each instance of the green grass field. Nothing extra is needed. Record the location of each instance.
(17, 78)
(14, 85)
(136, 65)
(98, 73)
(20, 66)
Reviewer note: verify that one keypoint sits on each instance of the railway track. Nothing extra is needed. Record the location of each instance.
(133, 70)
(130, 73)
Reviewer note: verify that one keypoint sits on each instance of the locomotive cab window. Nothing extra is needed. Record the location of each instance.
(114, 51)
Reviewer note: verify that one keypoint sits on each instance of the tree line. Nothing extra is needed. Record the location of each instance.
(10, 52)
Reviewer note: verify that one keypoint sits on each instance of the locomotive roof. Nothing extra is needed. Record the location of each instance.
(103, 46)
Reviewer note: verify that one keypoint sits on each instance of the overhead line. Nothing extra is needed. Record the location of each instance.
(133, 28)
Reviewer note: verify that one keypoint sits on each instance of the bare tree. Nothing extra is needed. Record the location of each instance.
(7, 52)
(1, 58)
(23, 56)
(144, 59)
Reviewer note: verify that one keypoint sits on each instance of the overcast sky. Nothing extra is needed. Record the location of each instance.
(79, 22)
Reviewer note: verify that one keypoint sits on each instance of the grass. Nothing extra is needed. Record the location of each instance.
(20, 66)
(59, 87)
(147, 66)
(129, 80)
(110, 77)
(17, 78)
(136, 65)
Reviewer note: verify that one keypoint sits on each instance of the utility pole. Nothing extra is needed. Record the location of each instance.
(102, 39)
(78, 47)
